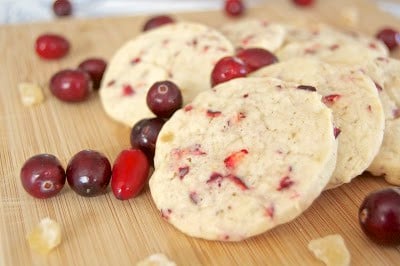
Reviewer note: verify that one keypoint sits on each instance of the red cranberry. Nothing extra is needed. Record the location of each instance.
(256, 58)
(234, 8)
(144, 135)
(379, 216)
(71, 85)
(62, 8)
(42, 176)
(390, 37)
(303, 2)
(89, 173)
(228, 68)
(157, 21)
(164, 98)
(95, 68)
(129, 174)
(51, 46)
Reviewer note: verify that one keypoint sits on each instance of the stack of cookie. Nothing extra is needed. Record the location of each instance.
(252, 153)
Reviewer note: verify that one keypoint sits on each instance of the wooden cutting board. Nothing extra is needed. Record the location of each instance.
(106, 231)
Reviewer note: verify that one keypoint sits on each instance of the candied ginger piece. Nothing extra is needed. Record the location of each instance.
(45, 236)
(30, 93)
(157, 259)
(331, 249)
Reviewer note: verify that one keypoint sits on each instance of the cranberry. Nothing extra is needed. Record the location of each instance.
(129, 174)
(95, 68)
(390, 37)
(157, 21)
(144, 135)
(51, 46)
(62, 8)
(228, 68)
(42, 176)
(89, 173)
(234, 8)
(256, 58)
(71, 85)
(303, 2)
(164, 98)
(379, 216)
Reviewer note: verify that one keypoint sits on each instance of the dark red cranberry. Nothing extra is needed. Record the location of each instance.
(51, 46)
(71, 85)
(62, 8)
(95, 68)
(129, 174)
(42, 176)
(256, 58)
(390, 37)
(157, 21)
(228, 68)
(379, 216)
(303, 2)
(89, 173)
(144, 135)
(234, 8)
(164, 98)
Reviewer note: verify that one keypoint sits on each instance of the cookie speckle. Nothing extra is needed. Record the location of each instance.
(194, 197)
(270, 211)
(183, 171)
(330, 99)
(378, 87)
(165, 213)
(306, 88)
(336, 132)
(167, 137)
(212, 114)
(110, 83)
(238, 182)
(234, 159)
(285, 183)
(127, 90)
(188, 108)
(135, 60)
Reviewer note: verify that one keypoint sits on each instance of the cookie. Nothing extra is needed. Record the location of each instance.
(241, 159)
(182, 52)
(356, 107)
(250, 33)
(385, 72)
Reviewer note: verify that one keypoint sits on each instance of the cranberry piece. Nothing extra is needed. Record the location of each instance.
(303, 2)
(89, 173)
(390, 37)
(164, 98)
(71, 85)
(95, 68)
(144, 135)
(42, 176)
(129, 174)
(379, 216)
(157, 21)
(228, 68)
(256, 58)
(62, 8)
(51, 46)
(234, 8)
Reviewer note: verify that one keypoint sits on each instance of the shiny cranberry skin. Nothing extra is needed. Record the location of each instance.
(95, 67)
(71, 85)
(256, 58)
(89, 173)
(157, 21)
(51, 46)
(42, 176)
(234, 8)
(303, 2)
(129, 174)
(164, 98)
(390, 37)
(144, 135)
(379, 216)
(228, 68)
(62, 8)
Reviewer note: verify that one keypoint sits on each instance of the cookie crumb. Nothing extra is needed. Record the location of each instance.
(350, 16)
(331, 249)
(157, 259)
(45, 236)
(30, 93)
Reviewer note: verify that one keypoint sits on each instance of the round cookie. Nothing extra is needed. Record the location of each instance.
(356, 107)
(241, 159)
(250, 33)
(182, 52)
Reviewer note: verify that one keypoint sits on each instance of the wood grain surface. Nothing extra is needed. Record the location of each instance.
(106, 231)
